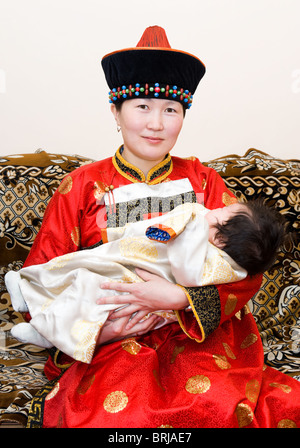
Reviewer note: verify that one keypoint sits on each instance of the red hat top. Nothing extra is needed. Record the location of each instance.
(154, 36)
(152, 69)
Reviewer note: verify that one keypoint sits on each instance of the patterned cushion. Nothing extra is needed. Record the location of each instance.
(276, 307)
(27, 182)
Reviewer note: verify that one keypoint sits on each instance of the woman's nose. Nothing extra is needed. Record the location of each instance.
(155, 122)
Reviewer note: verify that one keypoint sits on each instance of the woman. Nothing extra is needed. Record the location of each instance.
(208, 369)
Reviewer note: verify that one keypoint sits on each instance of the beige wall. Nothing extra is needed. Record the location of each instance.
(53, 94)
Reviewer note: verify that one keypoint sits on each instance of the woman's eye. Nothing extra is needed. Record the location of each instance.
(143, 106)
(170, 110)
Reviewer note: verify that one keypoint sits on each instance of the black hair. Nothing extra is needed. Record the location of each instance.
(253, 237)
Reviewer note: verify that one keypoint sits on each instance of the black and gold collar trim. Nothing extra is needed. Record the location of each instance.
(156, 175)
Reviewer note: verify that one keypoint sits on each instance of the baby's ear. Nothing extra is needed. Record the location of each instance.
(214, 238)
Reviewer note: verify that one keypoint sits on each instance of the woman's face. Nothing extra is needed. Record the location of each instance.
(149, 127)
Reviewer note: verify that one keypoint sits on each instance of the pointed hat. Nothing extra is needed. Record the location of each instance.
(152, 69)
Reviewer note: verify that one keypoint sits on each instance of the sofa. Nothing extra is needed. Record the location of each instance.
(27, 183)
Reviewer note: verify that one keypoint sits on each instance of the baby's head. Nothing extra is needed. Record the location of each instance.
(251, 233)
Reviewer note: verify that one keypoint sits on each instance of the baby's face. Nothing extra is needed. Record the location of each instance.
(221, 215)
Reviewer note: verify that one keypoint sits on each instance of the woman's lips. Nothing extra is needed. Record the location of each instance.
(153, 140)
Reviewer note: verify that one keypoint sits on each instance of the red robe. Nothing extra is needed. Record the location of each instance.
(205, 371)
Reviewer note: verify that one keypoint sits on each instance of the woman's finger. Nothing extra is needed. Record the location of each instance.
(116, 286)
(115, 299)
(122, 312)
(136, 318)
(147, 325)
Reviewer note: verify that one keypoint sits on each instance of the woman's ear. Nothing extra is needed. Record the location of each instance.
(115, 113)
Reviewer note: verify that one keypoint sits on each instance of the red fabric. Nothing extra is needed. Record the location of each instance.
(168, 380)
(164, 378)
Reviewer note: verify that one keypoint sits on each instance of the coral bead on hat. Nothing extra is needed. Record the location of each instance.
(152, 69)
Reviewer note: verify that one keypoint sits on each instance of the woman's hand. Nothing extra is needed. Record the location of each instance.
(153, 294)
(116, 329)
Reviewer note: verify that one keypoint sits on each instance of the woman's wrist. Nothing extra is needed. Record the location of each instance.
(182, 298)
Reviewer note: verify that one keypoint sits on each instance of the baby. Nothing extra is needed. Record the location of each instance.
(191, 246)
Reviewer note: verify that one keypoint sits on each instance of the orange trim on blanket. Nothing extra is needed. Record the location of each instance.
(104, 235)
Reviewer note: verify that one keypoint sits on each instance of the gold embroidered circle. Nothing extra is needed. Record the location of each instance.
(115, 402)
(198, 384)
(252, 390)
(66, 185)
(53, 392)
(244, 414)
(286, 423)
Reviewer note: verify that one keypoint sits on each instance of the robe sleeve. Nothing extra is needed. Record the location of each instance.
(57, 234)
(214, 304)
(69, 213)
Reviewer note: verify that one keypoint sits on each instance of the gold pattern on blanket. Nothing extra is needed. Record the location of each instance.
(86, 334)
(59, 262)
(130, 277)
(138, 248)
(216, 267)
(46, 304)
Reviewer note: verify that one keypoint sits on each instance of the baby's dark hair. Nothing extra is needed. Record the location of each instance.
(253, 237)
